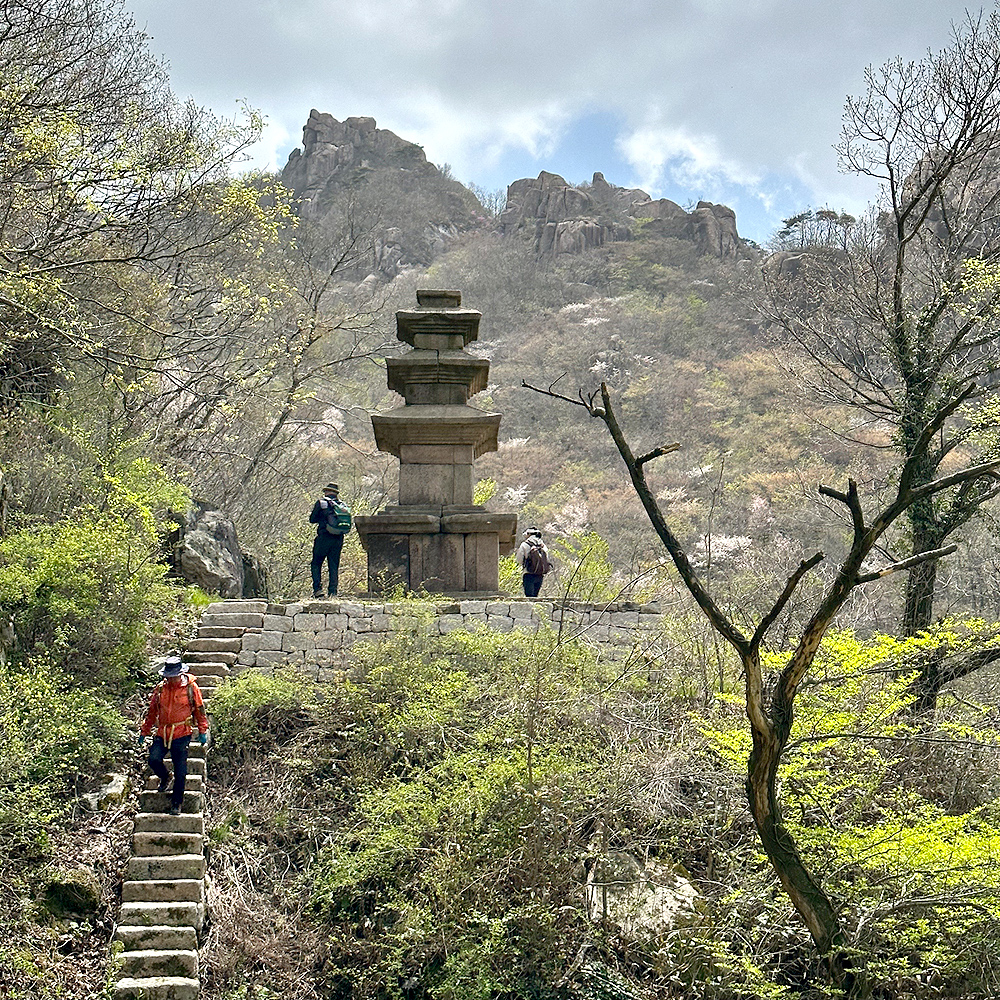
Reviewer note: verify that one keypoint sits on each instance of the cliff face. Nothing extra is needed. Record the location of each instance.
(337, 154)
(567, 219)
(415, 207)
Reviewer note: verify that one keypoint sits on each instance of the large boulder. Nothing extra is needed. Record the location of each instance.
(206, 551)
(333, 152)
(71, 892)
(564, 218)
(639, 898)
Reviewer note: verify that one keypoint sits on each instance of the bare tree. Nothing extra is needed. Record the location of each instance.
(770, 703)
(902, 322)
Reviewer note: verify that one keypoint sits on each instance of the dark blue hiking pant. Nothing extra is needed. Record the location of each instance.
(179, 755)
(326, 549)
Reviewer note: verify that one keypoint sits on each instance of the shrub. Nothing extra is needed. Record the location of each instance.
(81, 595)
(55, 732)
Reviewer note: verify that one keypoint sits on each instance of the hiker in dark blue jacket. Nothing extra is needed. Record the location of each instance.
(327, 545)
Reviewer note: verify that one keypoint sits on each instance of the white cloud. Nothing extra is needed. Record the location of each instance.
(471, 138)
(662, 152)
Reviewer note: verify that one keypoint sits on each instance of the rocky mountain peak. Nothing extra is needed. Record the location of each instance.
(335, 153)
(569, 219)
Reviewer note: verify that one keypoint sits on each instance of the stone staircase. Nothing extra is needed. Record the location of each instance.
(164, 897)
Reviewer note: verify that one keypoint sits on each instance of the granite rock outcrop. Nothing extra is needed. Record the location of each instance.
(414, 207)
(568, 219)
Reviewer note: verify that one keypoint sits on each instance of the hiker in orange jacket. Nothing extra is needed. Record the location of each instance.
(175, 707)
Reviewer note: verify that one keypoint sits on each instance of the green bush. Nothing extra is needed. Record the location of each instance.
(55, 734)
(81, 594)
(252, 713)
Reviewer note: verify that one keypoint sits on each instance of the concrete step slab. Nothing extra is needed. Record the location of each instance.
(196, 765)
(167, 890)
(146, 845)
(156, 988)
(156, 962)
(166, 866)
(160, 937)
(172, 914)
(230, 619)
(160, 802)
(235, 607)
(206, 668)
(206, 645)
(161, 822)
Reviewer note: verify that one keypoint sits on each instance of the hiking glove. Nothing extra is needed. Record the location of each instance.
(142, 741)
(203, 738)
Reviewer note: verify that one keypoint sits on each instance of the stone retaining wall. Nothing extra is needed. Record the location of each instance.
(316, 636)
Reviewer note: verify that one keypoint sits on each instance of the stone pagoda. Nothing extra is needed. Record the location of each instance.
(436, 538)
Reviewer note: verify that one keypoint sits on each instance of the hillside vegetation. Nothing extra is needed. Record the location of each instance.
(493, 816)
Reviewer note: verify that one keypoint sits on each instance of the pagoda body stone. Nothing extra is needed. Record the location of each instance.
(436, 538)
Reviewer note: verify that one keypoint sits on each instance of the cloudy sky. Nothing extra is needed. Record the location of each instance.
(731, 101)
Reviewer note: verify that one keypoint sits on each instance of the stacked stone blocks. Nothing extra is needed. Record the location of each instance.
(317, 636)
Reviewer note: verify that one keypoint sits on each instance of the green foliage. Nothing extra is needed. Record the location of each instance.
(913, 878)
(252, 707)
(55, 733)
(485, 491)
(81, 594)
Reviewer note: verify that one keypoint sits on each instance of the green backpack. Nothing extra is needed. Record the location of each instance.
(338, 517)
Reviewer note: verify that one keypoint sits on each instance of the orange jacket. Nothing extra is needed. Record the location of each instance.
(171, 712)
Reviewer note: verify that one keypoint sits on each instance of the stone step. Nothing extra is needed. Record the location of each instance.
(220, 632)
(146, 845)
(193, 660)
(164, 823)
(200, 645)
(196, 750)
(164, 890)
(154, 962)
(175, 914)
(207, 668)
(157, 988)
(160, 802)
(235, 607)
(196, 765)
(192, 783)
(166, 866)
(158, 937)
(233, 620)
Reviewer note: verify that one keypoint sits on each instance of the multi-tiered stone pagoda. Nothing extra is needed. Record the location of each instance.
(436, 538)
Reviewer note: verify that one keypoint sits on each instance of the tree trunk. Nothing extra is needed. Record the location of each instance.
(4, 504)
(806, 895)
(918, 613)
(919, 610)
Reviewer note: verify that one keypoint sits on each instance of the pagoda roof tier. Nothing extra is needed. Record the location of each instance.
(448, 425)
(438, 367)
(438, 329)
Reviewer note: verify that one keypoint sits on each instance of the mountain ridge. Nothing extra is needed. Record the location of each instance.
(559, 217)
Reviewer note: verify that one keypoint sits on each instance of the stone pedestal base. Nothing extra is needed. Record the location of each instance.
(439, 549)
